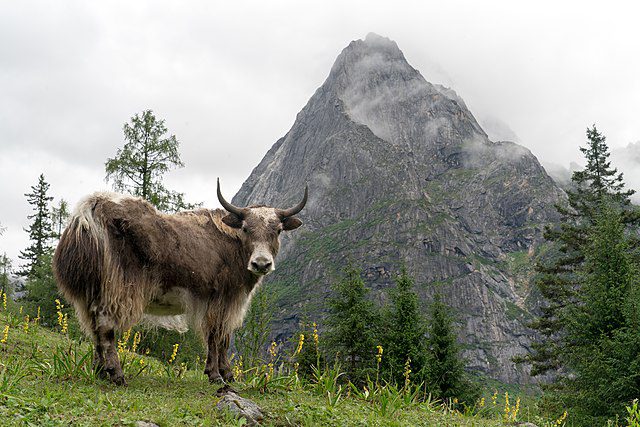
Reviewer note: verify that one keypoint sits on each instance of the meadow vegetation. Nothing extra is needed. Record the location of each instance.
(47, 379)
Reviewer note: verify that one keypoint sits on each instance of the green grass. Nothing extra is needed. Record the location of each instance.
(46, 380)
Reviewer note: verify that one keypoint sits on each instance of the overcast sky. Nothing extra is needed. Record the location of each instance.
(230, 77)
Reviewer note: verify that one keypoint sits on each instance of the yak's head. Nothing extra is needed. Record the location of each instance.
(260, 228)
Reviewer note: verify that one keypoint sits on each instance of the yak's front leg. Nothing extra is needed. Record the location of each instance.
(212, 369)
(223, 360)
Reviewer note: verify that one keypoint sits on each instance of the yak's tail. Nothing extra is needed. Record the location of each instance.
(78, 261)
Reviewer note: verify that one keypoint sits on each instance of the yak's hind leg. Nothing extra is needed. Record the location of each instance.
(98, 351)
(106, 351)
(212, 368)
(89, 321)
(223, 360)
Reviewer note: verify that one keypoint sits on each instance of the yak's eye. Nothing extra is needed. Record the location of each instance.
(279, 230)
(245, 229)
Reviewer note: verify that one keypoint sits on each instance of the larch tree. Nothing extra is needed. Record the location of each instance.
(139, 166)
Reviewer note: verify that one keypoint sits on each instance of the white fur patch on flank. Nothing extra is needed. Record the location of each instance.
(172, 323)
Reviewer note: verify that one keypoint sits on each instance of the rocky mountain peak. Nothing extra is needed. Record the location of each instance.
(400, 173)
(380, 89)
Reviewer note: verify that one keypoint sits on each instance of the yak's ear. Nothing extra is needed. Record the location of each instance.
(291, 223)
(232, 220)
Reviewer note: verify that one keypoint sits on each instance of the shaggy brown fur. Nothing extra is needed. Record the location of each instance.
(120, 257)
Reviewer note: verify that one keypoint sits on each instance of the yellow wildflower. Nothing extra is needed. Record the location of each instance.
(316, 339)
(59, 307)
(122, 342)
(407, 371)
(20, 310)
(237, 368)
(481, 404)
(300, 344)
(174, 353)
(136, 341)
(560, 421)
(37, 319)
(5, 335)
(379, 354)
(273, 350)
(65, 323)
(514, 412)
(26, 324)
(507, 406)
(494, 398)
(4, 300)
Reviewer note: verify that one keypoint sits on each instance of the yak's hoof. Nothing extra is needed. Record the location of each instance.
(101, 373)
(216, 379)
(119, 380)
(228, 377)
(224, 390)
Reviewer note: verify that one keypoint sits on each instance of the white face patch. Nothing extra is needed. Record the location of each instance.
(261, 261)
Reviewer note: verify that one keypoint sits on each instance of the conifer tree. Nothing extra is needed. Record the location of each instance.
(5, 270)
(352, 324)
(557, 278)
(602, 347)
(59, 216)
(42, 290)
(444, 370)
(405, 329)
(147, 155)
(40, 230)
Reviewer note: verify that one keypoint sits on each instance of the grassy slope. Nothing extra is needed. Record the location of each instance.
(36, 389)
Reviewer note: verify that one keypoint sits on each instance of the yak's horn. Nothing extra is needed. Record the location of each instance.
(239, 212)
(286, 213)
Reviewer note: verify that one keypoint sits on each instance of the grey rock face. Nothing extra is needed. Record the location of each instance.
(400, 172)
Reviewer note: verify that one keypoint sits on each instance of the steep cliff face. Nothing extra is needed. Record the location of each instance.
(400, 172)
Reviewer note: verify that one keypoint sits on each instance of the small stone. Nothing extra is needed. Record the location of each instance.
(146, 424)
(241, 407)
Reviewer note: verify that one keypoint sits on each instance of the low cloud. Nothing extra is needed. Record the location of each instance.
(627, 161)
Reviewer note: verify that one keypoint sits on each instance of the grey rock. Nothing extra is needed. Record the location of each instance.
(401, 173)
(241, 407)
(146, 424)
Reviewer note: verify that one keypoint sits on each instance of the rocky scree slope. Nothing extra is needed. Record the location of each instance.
(400, 172)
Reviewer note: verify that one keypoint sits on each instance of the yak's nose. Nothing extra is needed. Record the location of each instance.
(261, 265)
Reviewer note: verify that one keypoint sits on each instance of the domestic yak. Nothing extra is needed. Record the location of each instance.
(120, 260)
